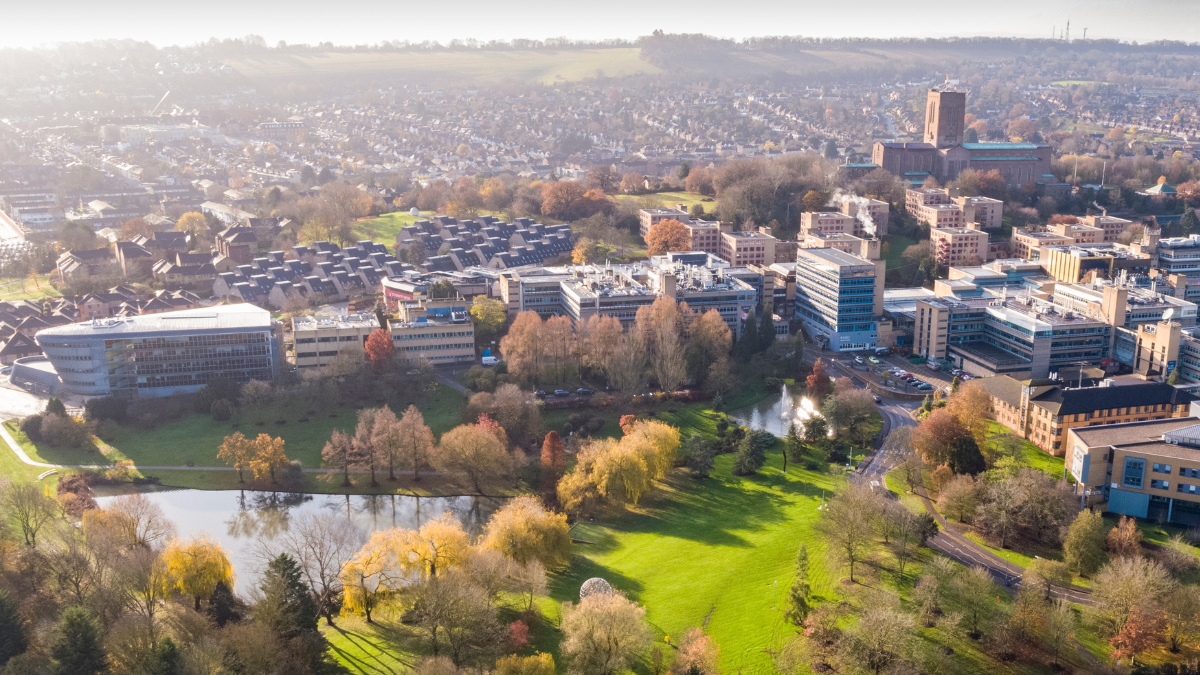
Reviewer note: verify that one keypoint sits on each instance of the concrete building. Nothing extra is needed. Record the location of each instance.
(1147, 469)
(747, 248)
(915, 198)
(839, 297)
(959, 245)
(870, 215)
(651, 217)
(826, 222)
(1111, 225)
(940, 215)
(986, 211)
(318, 340)
(1045, 411)
(846, 243)
(1076, 263)
(438, 331)
(1028, 245)
(164, 354)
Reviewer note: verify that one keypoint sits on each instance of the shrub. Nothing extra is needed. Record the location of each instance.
(293, 475)
(222, 410)
(106, 408)
(55, 407)
(107, 430)
(583, 424)
(214, 391)
(32, 427)
(64, 431)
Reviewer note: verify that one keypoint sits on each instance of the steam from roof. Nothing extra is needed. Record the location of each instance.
(859, 209)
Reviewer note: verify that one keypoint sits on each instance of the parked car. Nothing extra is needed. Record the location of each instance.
(561, 392)
(956, 372)
(908, 376)
(925, 386)
(540, 393)
(883, 351)
(584, 391)
(932, 365)
(858, 360)
(872, 359)
(5, 370)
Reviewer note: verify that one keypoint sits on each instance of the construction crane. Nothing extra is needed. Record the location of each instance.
(160, 102)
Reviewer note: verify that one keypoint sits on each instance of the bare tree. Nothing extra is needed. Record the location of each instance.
(628, 370)
(322, 544)
(30, 508)
(603, 632)
(848, 522)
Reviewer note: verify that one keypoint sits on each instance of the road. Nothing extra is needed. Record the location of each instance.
(896, 414)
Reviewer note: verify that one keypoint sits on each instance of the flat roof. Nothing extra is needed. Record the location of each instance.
(832, 256)
(1150, 431)
(243, 315)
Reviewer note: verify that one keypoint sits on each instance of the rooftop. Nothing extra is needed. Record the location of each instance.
(340, 321)
(242, 315)
(1133, 433)
(831, 257)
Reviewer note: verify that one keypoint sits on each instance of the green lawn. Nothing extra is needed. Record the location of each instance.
(385, 228)
(26, 289)
(670, 199)
(196, 438)
(1031, 455)
(896, 245)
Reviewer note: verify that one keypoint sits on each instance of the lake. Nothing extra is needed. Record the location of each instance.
(774, 414)
(239, 520)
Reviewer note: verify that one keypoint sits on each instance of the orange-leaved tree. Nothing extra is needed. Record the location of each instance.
(379, 347)
(268, 457)
(668, 235)
(236, 451)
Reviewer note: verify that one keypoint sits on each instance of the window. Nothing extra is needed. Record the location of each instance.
(1189, 473)
(1159, 484)
(1161, 468)
(1187, 488)
(1134, 469)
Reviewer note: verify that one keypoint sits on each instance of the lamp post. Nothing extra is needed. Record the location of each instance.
(774, 594)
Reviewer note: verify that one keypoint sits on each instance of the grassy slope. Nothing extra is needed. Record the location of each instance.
(896, 245)
(544, 66)
(670, 199)
(196, 438)
(385, 228)
(11, 289)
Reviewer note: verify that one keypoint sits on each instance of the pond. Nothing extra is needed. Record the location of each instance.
(775, 413)
(240, 520)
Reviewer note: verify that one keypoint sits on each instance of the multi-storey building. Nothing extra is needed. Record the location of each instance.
(164, 354)
(986, 211)
(958, 245)
(826, 222)
(438, 331)
(318, 340)
(1146, 469)
(915, 198)
(747, 248)
(1110, 225)
(1026, 244)
(651, 217)
(870, 215)
(839, 297)
(1044, 411)
(941, 215)
(1098, 261)
(846, 243)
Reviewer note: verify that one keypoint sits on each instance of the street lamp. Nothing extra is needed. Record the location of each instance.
(774, 594)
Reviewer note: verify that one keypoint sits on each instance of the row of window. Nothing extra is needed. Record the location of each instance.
(429, 348)
(427, 336)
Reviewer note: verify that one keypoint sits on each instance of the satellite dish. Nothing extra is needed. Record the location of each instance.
(1168, 314)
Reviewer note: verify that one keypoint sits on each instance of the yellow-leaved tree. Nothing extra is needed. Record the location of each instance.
(268, 457)
(439, 545)
(371, 575)
(236, 451)
(196, 566)
(525, 530)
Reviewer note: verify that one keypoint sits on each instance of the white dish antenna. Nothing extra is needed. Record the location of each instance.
(1168, 314)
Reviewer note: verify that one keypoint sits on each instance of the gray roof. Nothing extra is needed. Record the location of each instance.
(206, 318)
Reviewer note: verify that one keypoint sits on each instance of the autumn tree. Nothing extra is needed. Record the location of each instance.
(135, 227)
(1125, 583)
(488, 315)
(1047, 575)
(525, 530)
(562, 199)
(439, 545)
(414, 440)
(30, 507)
(603, 632)
(196, 566)
(236, 451)
(371, 575)
(881, 639)
(660, 323)
(552, 455)
(522, 347)
(668, 235)
(848, 523)
(960, 497)
(1083, 548)
(193, 223)
(1125, 539)
(627, 371)
(340, 453)
(709, 342)
(379, 347)
(1142, 630)
(268, 457)
(817, 383)
(588, 250)
(472, 450)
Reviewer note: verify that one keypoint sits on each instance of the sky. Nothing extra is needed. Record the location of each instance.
(46, 22)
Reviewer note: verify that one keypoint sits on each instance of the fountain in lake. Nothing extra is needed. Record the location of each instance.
(775, 414)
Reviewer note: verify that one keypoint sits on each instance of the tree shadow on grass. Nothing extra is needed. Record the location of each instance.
(374, 641)
(564, 585)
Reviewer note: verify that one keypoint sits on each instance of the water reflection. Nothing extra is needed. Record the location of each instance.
(240, 520)
(775, 414)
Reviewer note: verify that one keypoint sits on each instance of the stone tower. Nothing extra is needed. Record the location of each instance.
(944, 117)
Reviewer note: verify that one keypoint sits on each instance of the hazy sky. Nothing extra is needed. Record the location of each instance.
(370, 21)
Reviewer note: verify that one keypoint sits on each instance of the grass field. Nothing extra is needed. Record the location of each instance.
(670, 199)
(26, 289)
(896, 245)
(1031, 455)
(196, 438)
(468, 66)
(385, 228)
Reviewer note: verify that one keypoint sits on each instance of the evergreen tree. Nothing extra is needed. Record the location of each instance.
(700, 455)
(55, 406)
(223, 606)
(287, 605)
(12, 637)
(76, 647)
(165, 660)
(1189, 223)
(766, 330)
(954, 385)
(748, 345)
(965, 456)
(798, 607)
(751, 453)
(792, 448)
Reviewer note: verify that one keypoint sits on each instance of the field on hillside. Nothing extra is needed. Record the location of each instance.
(479, 66)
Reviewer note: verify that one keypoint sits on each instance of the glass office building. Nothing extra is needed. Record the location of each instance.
(164, 354)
